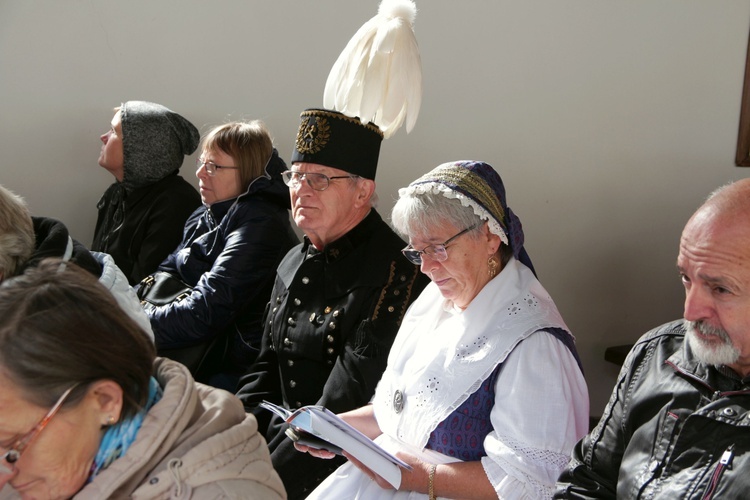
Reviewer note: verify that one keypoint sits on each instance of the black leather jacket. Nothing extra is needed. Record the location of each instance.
(673, 428)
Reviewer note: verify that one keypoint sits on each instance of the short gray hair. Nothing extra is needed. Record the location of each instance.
(16, 233)
(423, 212)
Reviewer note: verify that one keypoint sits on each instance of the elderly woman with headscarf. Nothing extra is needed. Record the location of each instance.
(483, 394)
(86, 411)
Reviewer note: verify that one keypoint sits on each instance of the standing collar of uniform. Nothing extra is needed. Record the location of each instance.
(340, 248)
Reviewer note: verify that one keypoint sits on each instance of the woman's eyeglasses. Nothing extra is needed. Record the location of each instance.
(437, 252)
(211, 167)
(319, 182)
(12, 456)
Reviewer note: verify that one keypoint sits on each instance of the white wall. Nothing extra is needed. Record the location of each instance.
(609, 121)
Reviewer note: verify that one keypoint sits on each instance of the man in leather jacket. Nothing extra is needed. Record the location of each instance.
(678, 422)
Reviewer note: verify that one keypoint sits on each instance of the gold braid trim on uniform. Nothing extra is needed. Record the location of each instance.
(403, 295)
(409, 287)
(384, 291)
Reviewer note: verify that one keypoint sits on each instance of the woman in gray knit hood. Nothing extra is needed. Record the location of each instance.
(142, 214)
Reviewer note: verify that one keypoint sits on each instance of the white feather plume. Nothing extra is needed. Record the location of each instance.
(378, 76)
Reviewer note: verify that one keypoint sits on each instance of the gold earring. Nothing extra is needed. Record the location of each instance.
(492, 265)
(111, 420)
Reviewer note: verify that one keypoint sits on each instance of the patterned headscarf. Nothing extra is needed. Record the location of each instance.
(477, 185)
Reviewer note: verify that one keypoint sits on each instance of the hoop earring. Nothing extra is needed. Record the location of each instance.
(492, 266)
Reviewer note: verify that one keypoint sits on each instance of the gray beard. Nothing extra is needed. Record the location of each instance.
(724, 353)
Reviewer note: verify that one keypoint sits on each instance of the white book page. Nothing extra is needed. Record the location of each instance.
(358, 445)
(322, 423)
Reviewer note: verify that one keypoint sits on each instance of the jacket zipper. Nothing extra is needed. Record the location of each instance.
(726, 458)
(724, 463)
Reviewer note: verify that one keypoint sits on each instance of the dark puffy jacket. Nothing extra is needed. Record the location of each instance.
(229, 254)
(146, 226)
(52, 240)
(674, 428)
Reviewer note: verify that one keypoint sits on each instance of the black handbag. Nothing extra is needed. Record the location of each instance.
(162, 288)
(202, 359)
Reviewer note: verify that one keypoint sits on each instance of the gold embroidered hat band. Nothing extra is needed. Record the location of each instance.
(335, 140)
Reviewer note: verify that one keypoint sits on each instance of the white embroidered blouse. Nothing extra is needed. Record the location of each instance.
(442, 355)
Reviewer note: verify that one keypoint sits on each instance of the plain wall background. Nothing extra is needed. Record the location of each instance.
(609, 121)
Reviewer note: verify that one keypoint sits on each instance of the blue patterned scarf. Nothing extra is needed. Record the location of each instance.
(118, 438)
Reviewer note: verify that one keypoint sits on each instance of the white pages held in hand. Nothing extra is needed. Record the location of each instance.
(322, 423)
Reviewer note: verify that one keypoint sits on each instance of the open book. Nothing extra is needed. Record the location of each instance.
(325, 425)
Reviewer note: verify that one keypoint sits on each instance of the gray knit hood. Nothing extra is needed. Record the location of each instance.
(155, 141)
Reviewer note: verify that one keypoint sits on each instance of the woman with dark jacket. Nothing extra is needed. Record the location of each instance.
(141, 214)
(230, 250)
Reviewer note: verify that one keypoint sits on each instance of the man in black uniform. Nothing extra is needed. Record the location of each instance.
(339, 297)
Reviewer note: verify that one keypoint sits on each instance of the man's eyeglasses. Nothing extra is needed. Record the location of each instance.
(12, 456)
(437, 252)
(211, 167)
(319, 182)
